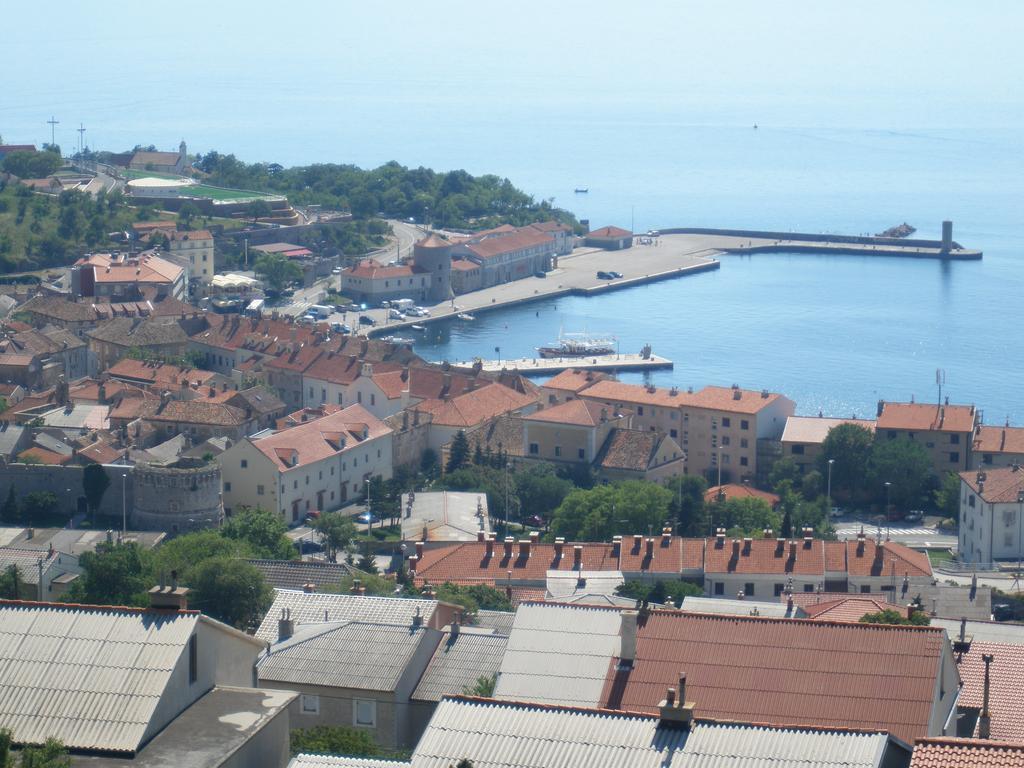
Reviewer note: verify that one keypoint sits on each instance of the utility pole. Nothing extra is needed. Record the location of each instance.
(53, 123)
(81, 138)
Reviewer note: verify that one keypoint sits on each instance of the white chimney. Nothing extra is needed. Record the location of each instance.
(627, 637)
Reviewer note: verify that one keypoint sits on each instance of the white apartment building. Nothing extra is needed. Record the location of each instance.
(195, 248)
(991, 512)
(318, 465)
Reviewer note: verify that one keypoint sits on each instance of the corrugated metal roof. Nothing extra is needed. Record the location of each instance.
(558, 654)
(349, 655)
(984, 631)
(457, 664)
(86, 676)
(318, 607)
(500, 735)
(499, 622)
(564, 584)
(295, 574)
(723, 606)
(329, 761)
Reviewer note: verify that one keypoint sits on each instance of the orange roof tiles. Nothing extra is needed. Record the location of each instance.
(374, 270)
(1006, 677)
(999, 439)
(144, 268)
(784, 671)
(713, 398)
(519, 240)
(317, 439)
(765, 556)
(157, 374)
(472, 408)
(613, 391)
(1000, 485)
(433, 240)
(574, 380)
(44, 456)
(610, 232)
(732, 400)
(736, 491)
(580, 413)
(884, 559)
(967, 753)
(851, 608)
(924, 417)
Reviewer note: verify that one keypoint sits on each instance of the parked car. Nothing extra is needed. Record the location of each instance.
(540, 273)
(535, 520)
(424, 312)
(616, 275)
(366, 320)
(601, 275)
(341, 328)
(836, 512)
(308, 320)
(336, 271)
(914, 516)
(394, 314)
(367, 518)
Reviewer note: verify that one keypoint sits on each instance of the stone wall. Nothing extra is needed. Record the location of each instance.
(66, 483)
(177, 499)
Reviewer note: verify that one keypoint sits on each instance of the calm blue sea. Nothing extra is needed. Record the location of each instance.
(852, 137)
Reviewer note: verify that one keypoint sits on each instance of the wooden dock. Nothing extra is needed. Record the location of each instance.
(530, 366)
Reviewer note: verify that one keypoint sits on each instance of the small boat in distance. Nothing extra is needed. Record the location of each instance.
(465, 316)
(417, 327)
(581, 190)
(398, 340)
(578, 345)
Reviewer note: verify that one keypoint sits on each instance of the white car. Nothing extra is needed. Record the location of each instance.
(394, 314)
(423, 312)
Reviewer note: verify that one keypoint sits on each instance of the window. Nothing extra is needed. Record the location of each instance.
(259, 490)
(581, 453)
(748, 589)
(743, 461)
(1007, 539)
(865, 588)
(310, 704)
(558, 450)
(954, 439)
(986, 458)
(797, 450)
(193, 660)
(364, 713)
(726, 421)
(534, 449)
(310, 393)
(321, 475)
(245, 463)
(323, 395)
(339, 398)
(673, 433)
(551, 399)
(744, 442)
(332, 470)
(970, 501)
(639, 410)
(808, 587)
(725, 458)
(227, 487)
(954, 457)
(359, 397)
(725, 440)
(295, 485)
(778, 589)
(719, 588)
(373, 399)
(744, 424)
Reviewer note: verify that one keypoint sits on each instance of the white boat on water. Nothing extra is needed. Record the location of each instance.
(579, 345)
(417, 327)
(465, 316)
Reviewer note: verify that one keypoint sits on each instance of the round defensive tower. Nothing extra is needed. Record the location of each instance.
(177, 499)
(433, 256)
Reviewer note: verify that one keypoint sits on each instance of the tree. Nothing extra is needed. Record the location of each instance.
(94, 484)
(745, 516)
(182, 553)
(277, 270)
(259, 209)
(539, 489)
(850, 447)
(947, 496)
(230, 590)
(474, 598)
(334, 739)
(374, 584)
(600, 512)
(659, 591)
(783, 470)
(262, 530)
(31, 165)
(337, 530)
(186, 213)
(10, 512)
(905, 465)
(112, 575)
(458, 455)
(37, 506)
(484, 686)
(687, 508)
(53, 754)
(11, 586)
(813, 485)
(891, 616)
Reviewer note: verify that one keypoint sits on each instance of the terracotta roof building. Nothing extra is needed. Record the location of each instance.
(991, 504)
(735, 491)
(967, 753)
(997, 446)
(946, 431)
(1006, 676)
(803, 436)
(609, 238)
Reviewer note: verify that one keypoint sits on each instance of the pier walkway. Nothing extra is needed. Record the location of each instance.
(531, 366)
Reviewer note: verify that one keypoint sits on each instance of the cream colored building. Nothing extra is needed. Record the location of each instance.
(945, 431)
(318, 465)
(195, 248)
(997, 447)
(803, 436)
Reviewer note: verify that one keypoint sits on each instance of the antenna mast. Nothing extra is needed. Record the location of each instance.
(81, 138)
(940, 380)
(53, 123)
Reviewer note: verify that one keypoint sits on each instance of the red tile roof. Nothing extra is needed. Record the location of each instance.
(574, 380)
(433, 240)
(1006, 677)
(610, 232)
(713, 398)
(999, 486)
(44, 456)
(374, 270)
(730, 399)
(519, 240)
(923, 417)
(999, 439)
(317, 439)
(736, 491)
(193, 412)
(156, 374)
(785, 671)
(967, 753)
(580, 413)
(851, 608)
(194, 234)
(551, 226)
(883, 559)
(473, 408)
(144, 268)
(780, 557)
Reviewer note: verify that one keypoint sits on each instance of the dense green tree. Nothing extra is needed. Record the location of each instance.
(744, 516)
(11, 586)
(37, 506)
(539, 489)
(230, 590)
(849, 445)
(600, 512)
(905, 465)
(373, 583)
(783, 470)
(336, 740)
(659, 591)
(112, 575)
(458, 454)
(95, 482)
(474, 598)
(338, 532)
(182, 553)
(947, 496)
(31, 165)
(891, 616)
(687, 508)
(277, 270)
(52, 754)
(259, 209)
(10, 512)
(484, 686)
(262, 529)
(187, 213)
(812, 485)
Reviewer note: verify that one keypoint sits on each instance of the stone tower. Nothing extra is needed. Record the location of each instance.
(433, 256)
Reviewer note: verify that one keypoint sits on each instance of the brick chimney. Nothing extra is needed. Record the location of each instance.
(577, 557)
(673, 711)
(637, 541)
(419, 550)
(534, 537)
(508, 546)
(481, 535)
(650, 548)
(524, 549)
(559, 546)
(489, 546)
(169, 598)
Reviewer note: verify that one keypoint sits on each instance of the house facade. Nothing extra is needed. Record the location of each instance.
(991, 515)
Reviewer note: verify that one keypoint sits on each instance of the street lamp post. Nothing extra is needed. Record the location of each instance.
(828, 493)
(124, 505)
(1020, 512)
(887, 484)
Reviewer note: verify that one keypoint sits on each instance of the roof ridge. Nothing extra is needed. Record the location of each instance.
(128, 609)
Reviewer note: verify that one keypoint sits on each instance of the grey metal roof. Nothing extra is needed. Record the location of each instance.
(359, 655)
(318, 607)
(499, 622)
(88, 677)
(565, 584)
(447, 515)
(502, 735)
(458, 663)
(11, 436)
(27, 562)
(985, 631)
(294, 574)
(330, 761)
(730, 607)
(952, 601)
(586, 598)
(558, 654)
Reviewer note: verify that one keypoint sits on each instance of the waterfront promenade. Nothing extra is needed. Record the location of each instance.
(537, 366)
(670, 255)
